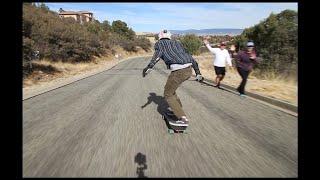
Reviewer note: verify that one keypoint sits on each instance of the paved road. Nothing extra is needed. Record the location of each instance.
(109, 125)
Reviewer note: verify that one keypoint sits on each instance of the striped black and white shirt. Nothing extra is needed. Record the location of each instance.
(172, 52)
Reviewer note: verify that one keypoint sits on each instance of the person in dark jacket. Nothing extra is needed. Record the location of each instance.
(246, 60)
(177, 58)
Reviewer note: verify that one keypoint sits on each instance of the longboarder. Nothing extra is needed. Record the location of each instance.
(180, 61)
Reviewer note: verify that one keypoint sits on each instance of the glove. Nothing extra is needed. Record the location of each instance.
(146, 71)
(199, 77)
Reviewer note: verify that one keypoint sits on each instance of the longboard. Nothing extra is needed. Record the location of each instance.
(173, 129)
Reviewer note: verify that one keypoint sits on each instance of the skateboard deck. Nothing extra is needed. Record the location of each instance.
(173, 129)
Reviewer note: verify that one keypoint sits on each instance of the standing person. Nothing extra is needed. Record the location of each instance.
(221, 56)
(179, 61)
(246, 60)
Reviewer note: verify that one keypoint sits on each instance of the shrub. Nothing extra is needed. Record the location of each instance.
(192, 43)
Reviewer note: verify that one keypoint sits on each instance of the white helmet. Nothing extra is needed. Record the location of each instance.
(164, 34)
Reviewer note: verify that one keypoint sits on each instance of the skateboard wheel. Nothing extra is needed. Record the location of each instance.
(171, 131)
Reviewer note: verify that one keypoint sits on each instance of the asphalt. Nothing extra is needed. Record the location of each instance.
(110, 125)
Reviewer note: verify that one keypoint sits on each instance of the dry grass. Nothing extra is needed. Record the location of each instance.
(41, 75)
(268, 85)
(45, 71)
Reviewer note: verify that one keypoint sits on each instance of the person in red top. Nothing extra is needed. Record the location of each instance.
(246, 60)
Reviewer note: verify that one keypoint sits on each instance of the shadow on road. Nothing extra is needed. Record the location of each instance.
(161, 102)
(141, 161)
(221, 88)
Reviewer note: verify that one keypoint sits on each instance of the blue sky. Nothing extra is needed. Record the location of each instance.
(153, 17)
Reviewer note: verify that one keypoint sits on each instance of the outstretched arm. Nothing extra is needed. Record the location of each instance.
(233, 53)
(195, 67)
(155, 58)
(206, 42)
(147, 103)
(197, 70)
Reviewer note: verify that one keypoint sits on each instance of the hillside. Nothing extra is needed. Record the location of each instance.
(68, 40)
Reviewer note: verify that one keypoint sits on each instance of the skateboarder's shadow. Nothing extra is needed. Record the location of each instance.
(160, 101)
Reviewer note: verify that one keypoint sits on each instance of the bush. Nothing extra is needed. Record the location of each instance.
(276, 40)
(122, 29)
(192, 43)
(26, 50)
(129, 46)
(144, 43)
(67, 40)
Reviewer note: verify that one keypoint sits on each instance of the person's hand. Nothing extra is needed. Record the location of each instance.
(232, 47)
(199, 77)
(205, 41)
(252, 56)
(146, 71)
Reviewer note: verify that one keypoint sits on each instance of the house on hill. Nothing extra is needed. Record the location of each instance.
(81, 16)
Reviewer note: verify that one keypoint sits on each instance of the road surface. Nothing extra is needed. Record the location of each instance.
(109, 125)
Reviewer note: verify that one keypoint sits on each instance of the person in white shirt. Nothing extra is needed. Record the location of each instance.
(221, 57)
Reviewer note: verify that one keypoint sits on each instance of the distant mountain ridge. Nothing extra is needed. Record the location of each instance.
(224, 31)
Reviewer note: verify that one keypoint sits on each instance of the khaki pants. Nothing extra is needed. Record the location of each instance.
(175, 79)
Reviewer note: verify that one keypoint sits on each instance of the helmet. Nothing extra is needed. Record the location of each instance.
(164, 34)
(249, 44)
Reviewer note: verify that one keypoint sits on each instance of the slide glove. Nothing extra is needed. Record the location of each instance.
(199, 77)
(146, 71)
